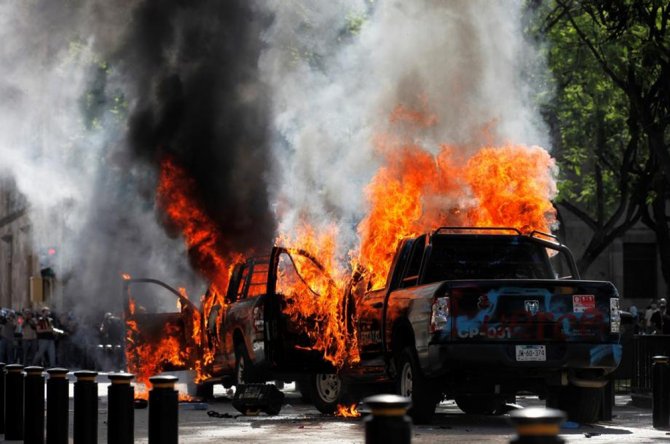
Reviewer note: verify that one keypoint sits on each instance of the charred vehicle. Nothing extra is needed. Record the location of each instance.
(242, 336)
(479, 315)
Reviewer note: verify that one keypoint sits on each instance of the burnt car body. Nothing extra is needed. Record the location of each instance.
(250, 337)
(479, 315)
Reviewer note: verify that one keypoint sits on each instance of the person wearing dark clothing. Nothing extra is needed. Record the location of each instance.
(660, 320)
(8, 331)
(29, 343)
(46, 339)
(111, 339)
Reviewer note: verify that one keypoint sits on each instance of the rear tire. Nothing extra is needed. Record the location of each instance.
(411, 383)
(326, 390)
(580, 403)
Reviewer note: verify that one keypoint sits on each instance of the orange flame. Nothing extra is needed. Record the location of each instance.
(416, 191)
(175, 195)
(349, 411)
(315, 298)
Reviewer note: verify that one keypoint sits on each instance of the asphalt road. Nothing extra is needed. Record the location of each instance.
(302, 423)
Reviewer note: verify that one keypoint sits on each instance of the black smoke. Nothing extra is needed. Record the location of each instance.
(191, 68)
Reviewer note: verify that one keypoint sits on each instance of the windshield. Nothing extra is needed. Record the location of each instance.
(486, 257)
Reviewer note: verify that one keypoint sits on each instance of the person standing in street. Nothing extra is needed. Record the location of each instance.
(29, 337)
(46, 339)
(8, 338)
(660, 320)
(648, 313)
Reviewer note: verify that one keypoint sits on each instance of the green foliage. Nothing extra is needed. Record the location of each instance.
(608, 60)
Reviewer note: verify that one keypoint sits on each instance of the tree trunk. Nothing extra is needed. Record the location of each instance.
(661, 229)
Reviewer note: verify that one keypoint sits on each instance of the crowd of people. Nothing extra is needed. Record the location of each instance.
(41, 337)
(653, 320)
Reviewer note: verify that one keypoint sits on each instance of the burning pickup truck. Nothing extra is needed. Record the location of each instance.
(480, 314)
(250, 334)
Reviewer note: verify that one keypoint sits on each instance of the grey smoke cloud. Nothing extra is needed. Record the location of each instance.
(337, 71)
(271, 106)
(77, 80)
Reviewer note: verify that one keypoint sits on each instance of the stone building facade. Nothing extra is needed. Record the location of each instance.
(21, 282)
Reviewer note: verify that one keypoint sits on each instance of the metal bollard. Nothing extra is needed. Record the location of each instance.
(163, 411)
(389, 423)
(58, 404)
(33, 416)
(120, 411)
(85, 408)
(660, 370)
(2, 397)
(537, 425)
(14, 402)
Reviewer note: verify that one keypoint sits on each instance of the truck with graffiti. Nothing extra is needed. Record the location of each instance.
(481, 314)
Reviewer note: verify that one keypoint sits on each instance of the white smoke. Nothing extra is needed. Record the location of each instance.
(338, 69)
(66, 152)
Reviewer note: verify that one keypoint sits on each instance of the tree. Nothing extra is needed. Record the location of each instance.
(611, 114)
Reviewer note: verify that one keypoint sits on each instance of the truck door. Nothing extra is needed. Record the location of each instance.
(369, 324)
(302, 304)
(162, 327)
(242, 330)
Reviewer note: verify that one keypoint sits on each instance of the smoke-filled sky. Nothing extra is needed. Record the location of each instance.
(272, 107)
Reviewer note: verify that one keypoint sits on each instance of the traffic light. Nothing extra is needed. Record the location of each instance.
(48, 258)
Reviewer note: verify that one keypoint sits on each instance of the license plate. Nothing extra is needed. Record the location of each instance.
(531, 353)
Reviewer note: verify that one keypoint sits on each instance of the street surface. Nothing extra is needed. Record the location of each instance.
(302, 423)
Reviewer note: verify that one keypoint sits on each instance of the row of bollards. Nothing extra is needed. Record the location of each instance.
(22, 414)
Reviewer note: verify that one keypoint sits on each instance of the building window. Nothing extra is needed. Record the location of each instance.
(639, 270)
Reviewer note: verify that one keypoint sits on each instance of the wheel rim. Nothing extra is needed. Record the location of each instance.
(328, 387)
(406, 379)
(240, 370)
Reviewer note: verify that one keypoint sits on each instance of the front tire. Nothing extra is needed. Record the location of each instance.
(326, 390)
(411, 383)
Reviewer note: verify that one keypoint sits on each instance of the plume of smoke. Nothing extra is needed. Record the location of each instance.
(192, 70)
(72, 75)
(93, 93)
(338, 70)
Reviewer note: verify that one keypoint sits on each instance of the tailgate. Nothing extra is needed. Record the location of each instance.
(532, 311)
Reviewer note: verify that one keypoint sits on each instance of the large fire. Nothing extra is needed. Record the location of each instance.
(316, 299)
(175, 195)
(415, 189)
